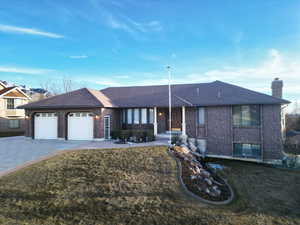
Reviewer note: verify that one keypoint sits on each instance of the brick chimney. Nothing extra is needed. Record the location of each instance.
(277, 86)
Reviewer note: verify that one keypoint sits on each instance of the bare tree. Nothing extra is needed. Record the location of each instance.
(296, 108)
(61, 86)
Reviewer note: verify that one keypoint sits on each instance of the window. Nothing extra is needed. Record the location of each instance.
(247, 151)
(129, 116)
(246, 115)
(10, 103)
(151, 115)
(201, 116)
(14, 124)
(144, 115)
(136, 116)
(124, 116)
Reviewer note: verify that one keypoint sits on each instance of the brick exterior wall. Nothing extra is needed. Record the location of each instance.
(220, 133)
(218, 129)
(5, 128)
(272, 138)
(62, 120)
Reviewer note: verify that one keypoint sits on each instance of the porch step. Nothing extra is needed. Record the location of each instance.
(166, 135)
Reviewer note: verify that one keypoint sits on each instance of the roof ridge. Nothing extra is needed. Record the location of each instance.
(51, 97)
(90, 92)
(257, 92)
(159, 85)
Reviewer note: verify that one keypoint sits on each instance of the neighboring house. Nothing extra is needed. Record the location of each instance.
(293, 137)
(36, 94)
(292, 121)
(233, 121)
(12, 119)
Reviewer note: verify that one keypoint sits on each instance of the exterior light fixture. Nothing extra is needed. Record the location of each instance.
(160, 114)
(97, 117)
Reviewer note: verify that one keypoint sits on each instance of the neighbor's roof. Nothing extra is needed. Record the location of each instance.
(202, 94)
(7, 90)
(82, 98)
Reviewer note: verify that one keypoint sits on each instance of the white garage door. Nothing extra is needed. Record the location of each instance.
(45, 126)
(80, 126)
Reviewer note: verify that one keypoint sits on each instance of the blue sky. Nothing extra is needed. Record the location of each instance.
(100, 43)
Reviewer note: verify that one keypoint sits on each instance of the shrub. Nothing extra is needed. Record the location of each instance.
(175, 138)
(136, 135)
(116, 134)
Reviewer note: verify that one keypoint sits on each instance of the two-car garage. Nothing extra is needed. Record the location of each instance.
(80, 126)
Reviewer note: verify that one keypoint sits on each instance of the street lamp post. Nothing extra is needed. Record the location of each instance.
(170, 104)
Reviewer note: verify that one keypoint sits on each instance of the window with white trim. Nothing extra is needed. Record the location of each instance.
(246, 115)
(124, 116)
(144, 115)
(201, 116)
(151, 115)
(129, 116)
(10, 103)
(136, 117)
(247, 150)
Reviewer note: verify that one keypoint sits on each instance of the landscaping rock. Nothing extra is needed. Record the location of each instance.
(183, 139)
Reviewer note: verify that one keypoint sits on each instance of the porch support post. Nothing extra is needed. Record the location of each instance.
(155, 121)
(183, 121)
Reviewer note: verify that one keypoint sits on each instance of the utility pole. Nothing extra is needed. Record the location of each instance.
(170, 104)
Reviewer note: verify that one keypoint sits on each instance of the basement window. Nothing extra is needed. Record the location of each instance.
(247, 151)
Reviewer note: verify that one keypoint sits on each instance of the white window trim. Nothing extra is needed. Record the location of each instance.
(202, 122)
(144, 119)
(129, 116)
(134, 116)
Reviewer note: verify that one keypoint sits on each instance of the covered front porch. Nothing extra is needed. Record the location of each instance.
(162, 118)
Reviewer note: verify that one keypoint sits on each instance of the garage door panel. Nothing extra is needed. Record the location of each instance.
(80, 126)
(45, 126)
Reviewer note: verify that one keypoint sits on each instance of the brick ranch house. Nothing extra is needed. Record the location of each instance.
(234, 122)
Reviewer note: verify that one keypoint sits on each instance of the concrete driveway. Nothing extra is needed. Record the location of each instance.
(16, 151)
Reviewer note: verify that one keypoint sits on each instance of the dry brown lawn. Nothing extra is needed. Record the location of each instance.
(140, 186)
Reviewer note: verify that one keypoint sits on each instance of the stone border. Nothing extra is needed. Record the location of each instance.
(191, 194)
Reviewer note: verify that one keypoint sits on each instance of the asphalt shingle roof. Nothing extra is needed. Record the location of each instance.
(82, 98)
(201, 94)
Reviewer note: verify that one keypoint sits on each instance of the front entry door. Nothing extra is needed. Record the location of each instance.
(107, 127)
(176, 119)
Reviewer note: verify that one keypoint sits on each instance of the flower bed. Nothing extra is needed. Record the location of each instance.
(200, 180)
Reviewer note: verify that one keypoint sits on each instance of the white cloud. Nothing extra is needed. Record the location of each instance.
(131, 26)
(105, 82)
(30, 31)
(78, 56)
(122, 76)
(34, 71)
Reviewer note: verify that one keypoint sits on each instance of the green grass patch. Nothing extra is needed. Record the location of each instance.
(140, 186)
